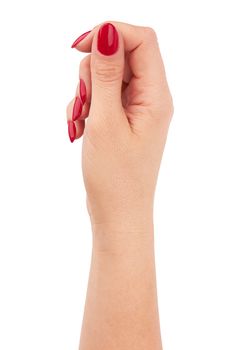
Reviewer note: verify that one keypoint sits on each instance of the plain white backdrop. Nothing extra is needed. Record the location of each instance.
(45, 238)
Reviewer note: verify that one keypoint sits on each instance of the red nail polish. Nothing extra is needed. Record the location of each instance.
(80, 38)
(108, 39)
(71, 130)
(77, 108)
(82, 126)
(82, 90)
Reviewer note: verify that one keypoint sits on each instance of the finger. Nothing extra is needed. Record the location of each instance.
(79, 106)
(107, 68)
(142, 45)
(85, 46)
(75, 128)
(84, 87)
(81, 39)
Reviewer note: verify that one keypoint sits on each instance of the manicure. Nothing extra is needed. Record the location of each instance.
(71, 130)
(77, 109)
(80, 38)
(108, 39)
(82, 90)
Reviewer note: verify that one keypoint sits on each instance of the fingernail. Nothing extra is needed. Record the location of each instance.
(77, 108)
(108, 39)
(82, 126)
(71, 130)
(82, 90)
(80, 38)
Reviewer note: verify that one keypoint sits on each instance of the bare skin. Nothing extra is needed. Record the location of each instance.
(129, 109)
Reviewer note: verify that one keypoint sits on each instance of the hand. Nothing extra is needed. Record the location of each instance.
(130, 107)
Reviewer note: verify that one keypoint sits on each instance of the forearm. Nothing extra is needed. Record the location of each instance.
(121, 306)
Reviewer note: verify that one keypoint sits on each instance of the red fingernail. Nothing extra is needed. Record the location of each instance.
(80, 38)
(77, 108)
(82, 126)
(82, 90)
(71, 130)
(108, 39)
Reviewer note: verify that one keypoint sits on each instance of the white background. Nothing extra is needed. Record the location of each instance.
(45, 239)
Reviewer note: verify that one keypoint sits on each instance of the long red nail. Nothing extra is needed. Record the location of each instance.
(80, 38)
(82, 90)
(71, 130)
(77, 108)
(108, 39)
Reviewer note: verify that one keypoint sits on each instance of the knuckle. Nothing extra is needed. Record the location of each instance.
(172, 109)
(150, 33)
(164, 110)
(169, 108)
(108, 72)
(81, 66)
(69, 109)
(84, 63)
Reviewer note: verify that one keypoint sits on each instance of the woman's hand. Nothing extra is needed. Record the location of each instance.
(129, 108)
(124, 93)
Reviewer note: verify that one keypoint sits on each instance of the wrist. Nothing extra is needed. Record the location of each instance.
(125, 238)
(122, 215)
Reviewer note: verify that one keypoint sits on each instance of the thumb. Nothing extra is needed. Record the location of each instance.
(107, 67)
